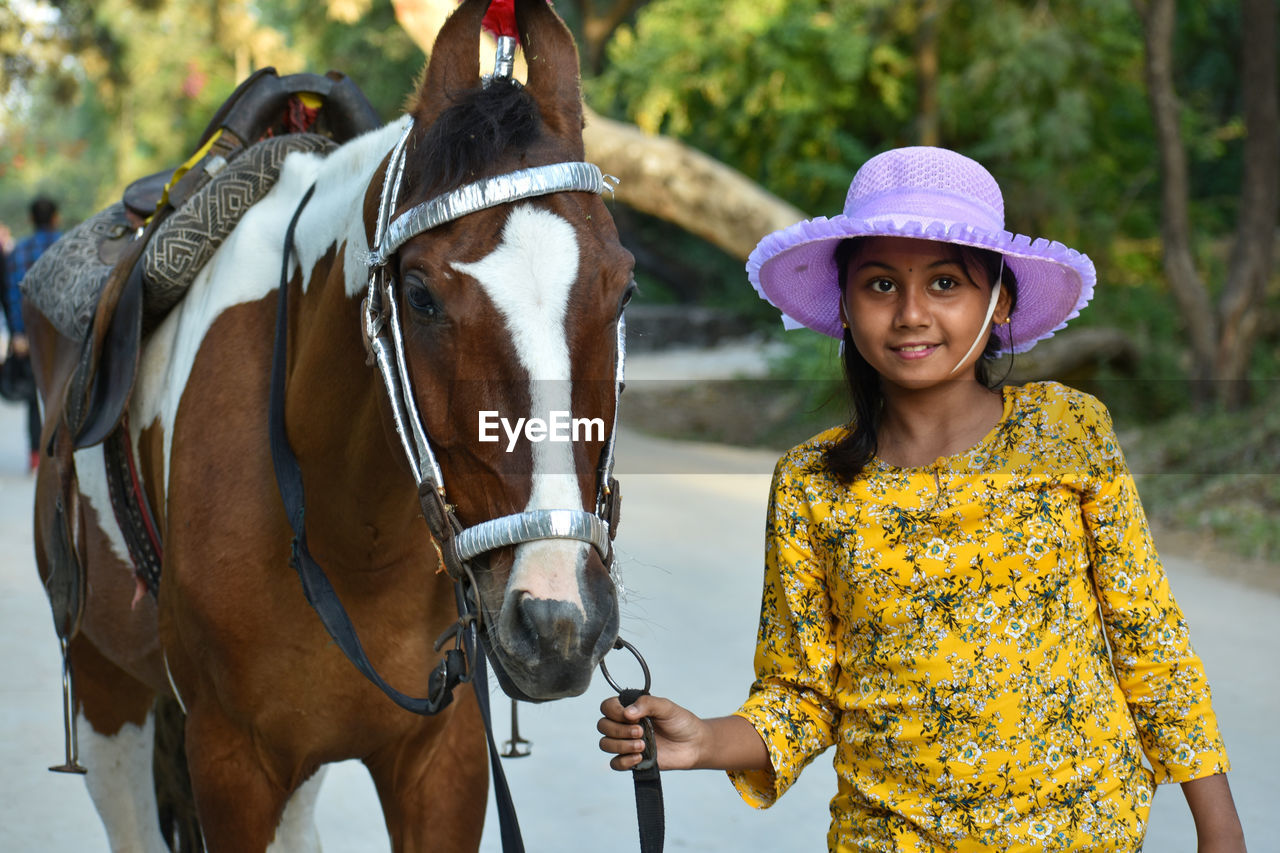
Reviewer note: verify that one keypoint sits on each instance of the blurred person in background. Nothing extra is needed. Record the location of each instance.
(44, 219)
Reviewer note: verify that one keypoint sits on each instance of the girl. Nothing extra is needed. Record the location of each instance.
(944, 575)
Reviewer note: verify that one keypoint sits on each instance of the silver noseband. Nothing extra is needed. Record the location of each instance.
(385, 337)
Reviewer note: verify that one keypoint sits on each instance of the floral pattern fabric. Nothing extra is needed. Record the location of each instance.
(990, 643)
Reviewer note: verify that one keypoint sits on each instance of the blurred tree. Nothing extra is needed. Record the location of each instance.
(1052, 97)
(658, 176)
(33, 42)
(99, 92)
(360, 38)
(797, 94)
(596, 24)
(1222, 333)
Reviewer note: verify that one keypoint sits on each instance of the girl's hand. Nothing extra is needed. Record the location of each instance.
(679, 733)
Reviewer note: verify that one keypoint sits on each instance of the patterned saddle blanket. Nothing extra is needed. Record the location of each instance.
(67, 280)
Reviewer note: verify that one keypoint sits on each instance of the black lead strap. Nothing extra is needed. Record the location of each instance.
(647, 779)
(324, 600)
(645, 776)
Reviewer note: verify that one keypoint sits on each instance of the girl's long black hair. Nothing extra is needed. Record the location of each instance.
(848, 456)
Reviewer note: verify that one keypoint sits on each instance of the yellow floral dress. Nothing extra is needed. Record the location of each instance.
(946, 628)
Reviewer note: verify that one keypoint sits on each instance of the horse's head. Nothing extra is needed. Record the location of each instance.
(510, 316)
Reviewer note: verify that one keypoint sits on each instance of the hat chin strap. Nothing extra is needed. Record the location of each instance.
(986, 321)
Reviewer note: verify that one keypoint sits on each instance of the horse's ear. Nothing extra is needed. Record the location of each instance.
(454, 66)
(552, 58)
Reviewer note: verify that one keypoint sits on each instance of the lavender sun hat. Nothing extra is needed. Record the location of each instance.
(931, 194)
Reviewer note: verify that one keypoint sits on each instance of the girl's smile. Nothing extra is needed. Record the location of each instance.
(913, 351)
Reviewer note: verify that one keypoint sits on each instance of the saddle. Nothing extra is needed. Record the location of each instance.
(110, 281)
(265, 118)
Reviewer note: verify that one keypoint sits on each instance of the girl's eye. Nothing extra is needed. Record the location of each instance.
(420, 299)
(881, 285)
(945, 283)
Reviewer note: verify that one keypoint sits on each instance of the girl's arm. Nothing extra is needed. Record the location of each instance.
(685, 741)
(1217, 824)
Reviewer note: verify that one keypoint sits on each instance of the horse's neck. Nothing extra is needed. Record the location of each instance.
(332, 223)
(356, 481)
(334, 398)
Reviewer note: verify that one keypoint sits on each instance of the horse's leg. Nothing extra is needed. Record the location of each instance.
(238, 796)
(116, 730)
(297, 832)
(433, 783)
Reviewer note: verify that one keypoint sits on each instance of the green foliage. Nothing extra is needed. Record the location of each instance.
(798, 94)
(782, 89)
(375, 52)
(1051, 97)
(137, 80)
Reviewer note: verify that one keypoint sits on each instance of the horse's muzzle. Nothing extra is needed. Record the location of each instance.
(549, 648)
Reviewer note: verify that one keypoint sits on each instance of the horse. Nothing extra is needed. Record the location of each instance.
(401, 329)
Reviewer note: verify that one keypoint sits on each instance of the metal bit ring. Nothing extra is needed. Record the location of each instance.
(644, 667)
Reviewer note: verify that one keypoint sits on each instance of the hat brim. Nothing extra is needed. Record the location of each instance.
(794, 269)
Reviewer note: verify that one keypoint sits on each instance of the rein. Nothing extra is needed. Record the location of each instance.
(645, 776)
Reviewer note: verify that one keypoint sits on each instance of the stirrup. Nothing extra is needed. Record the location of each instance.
(72, 746)
(517, 747)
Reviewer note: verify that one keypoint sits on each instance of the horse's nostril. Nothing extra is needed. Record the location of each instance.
(553, 626)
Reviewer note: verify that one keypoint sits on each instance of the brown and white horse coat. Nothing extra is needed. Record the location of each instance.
(512, 309)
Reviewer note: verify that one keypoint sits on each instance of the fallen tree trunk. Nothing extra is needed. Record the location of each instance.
(665, 178)
(1073, 356)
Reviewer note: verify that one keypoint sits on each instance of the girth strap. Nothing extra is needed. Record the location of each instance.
(132, 509)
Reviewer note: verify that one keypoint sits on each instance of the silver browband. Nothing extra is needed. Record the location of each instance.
(490, 192)
(389, 355)
(530, 525)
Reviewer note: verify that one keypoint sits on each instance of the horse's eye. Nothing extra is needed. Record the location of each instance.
(420, 299)
(626, 296)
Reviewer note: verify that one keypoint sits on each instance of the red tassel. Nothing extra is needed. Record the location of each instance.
(501, 18)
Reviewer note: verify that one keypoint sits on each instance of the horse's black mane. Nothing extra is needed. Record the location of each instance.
(483, 124)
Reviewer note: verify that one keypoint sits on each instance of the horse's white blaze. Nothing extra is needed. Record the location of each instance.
(528, 277)
(119, 782)
(247, 266)
(91, 472)
(297, 831)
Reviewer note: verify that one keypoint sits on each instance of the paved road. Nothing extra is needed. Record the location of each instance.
(689, 550)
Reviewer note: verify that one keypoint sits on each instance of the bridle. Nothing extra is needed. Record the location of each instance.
(384, 337)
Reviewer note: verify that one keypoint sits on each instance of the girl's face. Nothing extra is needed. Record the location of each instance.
(914, 310)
